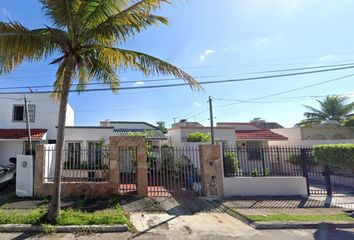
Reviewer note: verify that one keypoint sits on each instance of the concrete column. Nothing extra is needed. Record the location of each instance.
(211, 170)
(142, 181)
(38, 170)
(114, 180)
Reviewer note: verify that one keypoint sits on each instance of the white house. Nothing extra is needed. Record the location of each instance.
(43, 118)
(177, 135)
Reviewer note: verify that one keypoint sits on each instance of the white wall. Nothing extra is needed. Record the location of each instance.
(24, 176)
(178, 136)
(9, 149)
(46, 117)
(295, 138)
(85, 134)
(265, 186)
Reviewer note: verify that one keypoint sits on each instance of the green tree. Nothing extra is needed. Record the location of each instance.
(162, 126)
(198, 137)
(84, 37)
(331, 108)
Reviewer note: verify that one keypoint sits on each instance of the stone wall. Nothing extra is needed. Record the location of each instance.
(211, 170)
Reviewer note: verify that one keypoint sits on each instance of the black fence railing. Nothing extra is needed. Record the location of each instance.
(287, 161)
(263, 161)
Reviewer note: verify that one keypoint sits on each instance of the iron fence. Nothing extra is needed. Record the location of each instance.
(263, 161)
(287, 161)
(173, 170)
(78, 165)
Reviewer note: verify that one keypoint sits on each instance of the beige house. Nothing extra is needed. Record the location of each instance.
(309, 136)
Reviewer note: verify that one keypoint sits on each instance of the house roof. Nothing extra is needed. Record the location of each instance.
(150, 133)
(132, 122)
(22, 134)
(263, 134)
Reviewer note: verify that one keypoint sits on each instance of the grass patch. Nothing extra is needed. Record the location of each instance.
(67, 217)
(300, 218)
(104, 217)
(35, 217)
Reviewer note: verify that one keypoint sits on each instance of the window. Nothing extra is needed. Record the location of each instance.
(254, 150)
(94, 154)
(19, 113)
(73, 155)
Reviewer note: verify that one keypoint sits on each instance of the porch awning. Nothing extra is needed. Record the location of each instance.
(258, 135)
(22, 134)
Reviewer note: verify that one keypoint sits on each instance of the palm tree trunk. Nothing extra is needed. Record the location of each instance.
(54, 208)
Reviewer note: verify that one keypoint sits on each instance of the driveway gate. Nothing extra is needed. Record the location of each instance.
(173, 171)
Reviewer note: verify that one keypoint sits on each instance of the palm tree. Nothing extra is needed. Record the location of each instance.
(332, 108)
(84, 39)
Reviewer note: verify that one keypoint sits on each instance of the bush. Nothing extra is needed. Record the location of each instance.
(231, 162)
(198, 137)
(335, 155)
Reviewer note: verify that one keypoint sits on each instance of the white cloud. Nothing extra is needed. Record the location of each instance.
(197, 104)
(4, 12)
(262, 41)
(205, 54)
(326, 57)
(139, 83)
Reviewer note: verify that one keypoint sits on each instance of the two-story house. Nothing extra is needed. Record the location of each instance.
(42, 118)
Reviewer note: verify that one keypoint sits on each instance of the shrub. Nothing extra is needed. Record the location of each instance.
(335, 155)
(231, 162)
(198, 137)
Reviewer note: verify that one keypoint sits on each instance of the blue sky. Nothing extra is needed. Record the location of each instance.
(228, 38)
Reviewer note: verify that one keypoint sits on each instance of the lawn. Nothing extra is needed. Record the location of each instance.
(300, 218)
(110, 216)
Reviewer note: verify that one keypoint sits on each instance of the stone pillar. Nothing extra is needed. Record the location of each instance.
(114, 179)
(211, 170)
(141, 175)
(142, 181)
(38, 170)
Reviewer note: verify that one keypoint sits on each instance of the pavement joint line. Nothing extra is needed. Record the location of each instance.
(63, 229)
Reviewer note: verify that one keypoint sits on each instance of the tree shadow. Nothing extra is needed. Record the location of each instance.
(326, 233)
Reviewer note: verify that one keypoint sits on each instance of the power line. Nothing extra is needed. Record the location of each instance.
(201, 83)
(238, 101)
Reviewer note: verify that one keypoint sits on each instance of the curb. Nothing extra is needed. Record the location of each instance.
(301, 225)
(63, 229)
(285, 225)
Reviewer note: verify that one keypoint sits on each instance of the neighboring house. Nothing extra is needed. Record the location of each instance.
(251, 135)
(309, 136)
(177, 135)
(127, 128)
(264, 124)
(43, 118)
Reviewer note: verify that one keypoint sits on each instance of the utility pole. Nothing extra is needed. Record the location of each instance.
(174, 120)
(28, 126)
(211, 119)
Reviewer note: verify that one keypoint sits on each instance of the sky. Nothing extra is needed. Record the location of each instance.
(217, 40)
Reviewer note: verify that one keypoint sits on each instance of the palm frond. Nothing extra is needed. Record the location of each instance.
(18, 43)
(123, 58)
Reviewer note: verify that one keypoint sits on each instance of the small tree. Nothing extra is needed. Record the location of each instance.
(335, 155)
(198, 137)
(161, 125)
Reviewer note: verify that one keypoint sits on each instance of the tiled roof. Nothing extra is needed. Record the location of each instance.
(21, 134)
(263, 134)
(147, 133)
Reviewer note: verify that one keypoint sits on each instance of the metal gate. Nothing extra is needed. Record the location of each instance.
(127, 167)
(326, 180)
(173, 171)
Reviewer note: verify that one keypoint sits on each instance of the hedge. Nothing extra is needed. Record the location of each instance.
(335, 155)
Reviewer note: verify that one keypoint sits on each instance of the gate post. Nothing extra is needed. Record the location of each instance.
(305, 173)
(141, 168)
(38, 171)
(114, 164)
(211, 170)
(327, 173)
